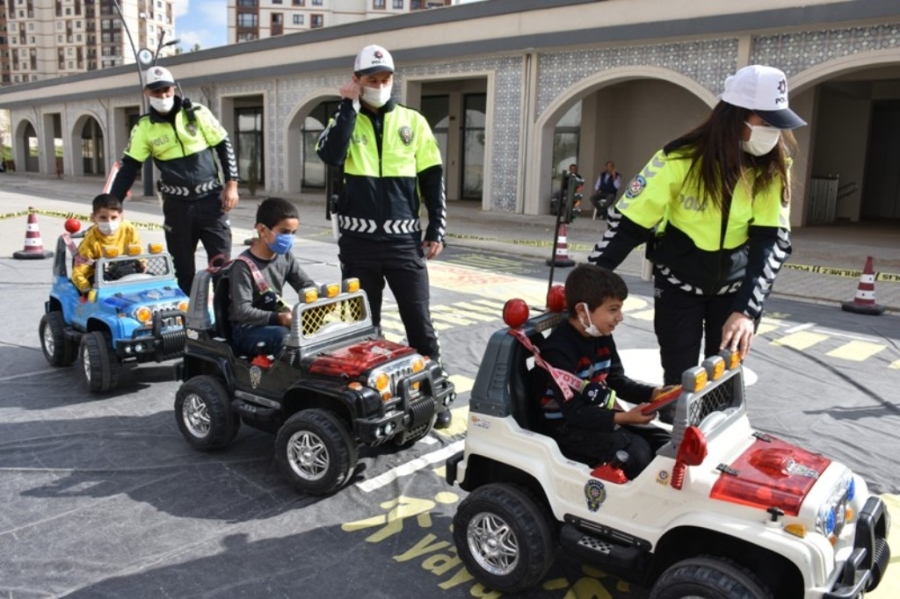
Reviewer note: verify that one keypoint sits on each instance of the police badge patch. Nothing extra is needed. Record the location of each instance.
(594, 493)
(255, 376)
(406, 135)
(636, 186)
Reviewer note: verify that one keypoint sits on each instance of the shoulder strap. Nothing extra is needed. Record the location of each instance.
(567, 382)
(258, 277)
(70, 245)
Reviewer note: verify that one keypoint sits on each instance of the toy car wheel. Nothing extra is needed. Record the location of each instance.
(708, 578)
(100, 367)
(57, 348)
(204, 415)
(505, 537)
(315, 452)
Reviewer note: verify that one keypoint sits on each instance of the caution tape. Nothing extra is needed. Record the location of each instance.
(82, 217)
(848, 273)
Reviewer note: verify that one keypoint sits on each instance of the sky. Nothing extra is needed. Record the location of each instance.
(205, 22)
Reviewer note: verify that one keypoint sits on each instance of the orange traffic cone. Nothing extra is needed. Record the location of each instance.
(561, 257)
(864, 301)
(34, 247)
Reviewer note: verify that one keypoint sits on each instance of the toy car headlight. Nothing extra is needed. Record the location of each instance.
(381, 382)
(110, 251)
(330, 290)
(309, 294)
(418, 365)
(351, 285)
(836, 512)
(154, 248)
(183, 305)
(133, 250)
(143, 314)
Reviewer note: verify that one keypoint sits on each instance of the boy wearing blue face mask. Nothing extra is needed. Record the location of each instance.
(261, 319)
(587, 422)
(109, 230)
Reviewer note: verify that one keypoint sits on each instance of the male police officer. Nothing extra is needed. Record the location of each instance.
(391, 160)
(179, 135)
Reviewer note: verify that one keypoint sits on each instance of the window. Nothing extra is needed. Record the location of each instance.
(379, 4)
(317, 2)
(398, 4)
(299, 2)
(276, 2)
(78, 38)
(298, 19)
(277, 18)
(247, 20)
(31, 26)
(315, 21)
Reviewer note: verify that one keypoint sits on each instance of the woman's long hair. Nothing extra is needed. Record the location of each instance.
(718, 161)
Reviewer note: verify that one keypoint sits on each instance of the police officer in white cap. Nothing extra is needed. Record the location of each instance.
(177, 134)
(714, 206)
(391, 165)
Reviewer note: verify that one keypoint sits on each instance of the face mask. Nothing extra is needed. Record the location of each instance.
(589, 328)
(762, 140)
(283, 243)
(376, 96)
(162, 105)
(109, 227)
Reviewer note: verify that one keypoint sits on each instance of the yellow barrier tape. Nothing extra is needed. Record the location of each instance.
(848, 273)
(81, 217)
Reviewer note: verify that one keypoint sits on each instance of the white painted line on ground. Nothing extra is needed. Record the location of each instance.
(29, 374)
(800, 327)
(410, 467)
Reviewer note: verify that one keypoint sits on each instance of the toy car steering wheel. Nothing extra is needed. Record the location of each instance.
(662, 400)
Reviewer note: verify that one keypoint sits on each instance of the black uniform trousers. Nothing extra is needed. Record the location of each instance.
(683, 322)
(402, 264)
(189, 221)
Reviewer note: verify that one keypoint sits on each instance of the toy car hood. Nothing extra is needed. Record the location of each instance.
(129, 299)
(770, 473)
(353, 360)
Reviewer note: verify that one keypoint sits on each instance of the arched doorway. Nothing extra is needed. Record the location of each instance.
(26, 151)
(88, 147)
(623, 114)
(304, 127)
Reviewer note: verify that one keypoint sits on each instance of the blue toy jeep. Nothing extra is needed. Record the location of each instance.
(134, 312)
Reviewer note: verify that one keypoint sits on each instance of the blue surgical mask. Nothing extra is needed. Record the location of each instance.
(283, 243)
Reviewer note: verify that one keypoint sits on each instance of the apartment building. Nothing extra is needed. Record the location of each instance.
(256, 19)
(44, 39)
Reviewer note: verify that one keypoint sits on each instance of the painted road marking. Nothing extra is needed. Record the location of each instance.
(466, 311)
(459, 425)
(409, 467)
(449, 315)
(800, 327)
(800, 340)
(856, 351)
(642, 314)
(895, 365)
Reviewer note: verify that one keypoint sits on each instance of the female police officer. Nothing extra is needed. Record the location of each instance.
(714, 205)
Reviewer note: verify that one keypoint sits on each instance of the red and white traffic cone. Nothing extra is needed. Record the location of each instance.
(864, 300)
(561, 257)
(34, 247)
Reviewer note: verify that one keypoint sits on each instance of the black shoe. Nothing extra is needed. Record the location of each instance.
(443, 419)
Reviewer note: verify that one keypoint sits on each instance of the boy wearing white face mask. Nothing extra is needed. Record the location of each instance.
(109, 230)
(714, 208)
(588, 423)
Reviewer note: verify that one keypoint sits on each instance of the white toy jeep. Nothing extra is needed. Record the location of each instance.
(722, 511)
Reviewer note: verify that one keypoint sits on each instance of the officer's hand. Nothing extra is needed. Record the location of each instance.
(350, 90)
(737, 334)
(432, 249)
(230, 197)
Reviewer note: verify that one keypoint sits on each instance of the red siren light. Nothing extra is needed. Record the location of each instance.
(515, 313)
(72, 225)
(556, 298)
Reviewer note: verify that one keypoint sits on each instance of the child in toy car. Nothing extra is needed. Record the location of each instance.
(110, 230)
(261, 319)
(586, 422)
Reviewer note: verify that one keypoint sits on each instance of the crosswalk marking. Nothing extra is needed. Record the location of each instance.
(895, 365)
(456, 319)
(483, 310)
(765, 327)
(856, 351)
(465, 311)
(459, 424)
(642, 314)
(800, 340)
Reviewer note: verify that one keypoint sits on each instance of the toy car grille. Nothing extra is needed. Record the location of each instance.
(715, 400)
(157, 265)
(348, 310)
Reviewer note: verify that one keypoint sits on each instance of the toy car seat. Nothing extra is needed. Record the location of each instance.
(221, 303)
(523, 400)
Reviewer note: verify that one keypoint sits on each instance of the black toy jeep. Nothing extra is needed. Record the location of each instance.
(338, 384)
